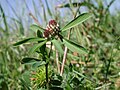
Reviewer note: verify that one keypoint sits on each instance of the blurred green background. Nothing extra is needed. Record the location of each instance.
(100, 35)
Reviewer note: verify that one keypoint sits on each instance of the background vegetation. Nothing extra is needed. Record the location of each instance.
(99, 70)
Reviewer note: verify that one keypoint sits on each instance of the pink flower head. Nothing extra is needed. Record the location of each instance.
(52, 22)
(52, 28)
(46, 33)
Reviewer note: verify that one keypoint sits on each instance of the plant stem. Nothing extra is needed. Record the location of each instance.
(46, 71)
(46, 68)
(65, 52)
(35, 19)
(105, 85)
(108, 65)
(57, 62)
(64, 57)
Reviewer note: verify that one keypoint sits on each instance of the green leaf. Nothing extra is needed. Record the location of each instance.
(81, 18)
(56, 88)
(57, 45)
(4, 20)
(78, 73)
(36, 27)
(39, 34)
(35, 62)
(38, 64)
(29, 60)
(33, 39)
(25, 79)
(72, 56)
(2, 30)
(68, 5)
(56, 82)
(35, 47)
(74, 47)
(48, 8)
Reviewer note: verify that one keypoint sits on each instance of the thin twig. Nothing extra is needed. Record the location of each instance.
(36, 21)
(64, 60)
(105, 85)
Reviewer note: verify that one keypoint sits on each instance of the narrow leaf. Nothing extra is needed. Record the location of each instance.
(68, 5)
(57, 46)
(48, 8)
(37, 46)
(33, 39)
(78, 73)
(81, 18)
(74, 47)
(72, 56)
(2, 30)
(29, 60)
(39, 34)
(4, 20)
(36, 27)
(38, 64)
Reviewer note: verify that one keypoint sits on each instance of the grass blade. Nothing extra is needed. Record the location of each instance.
(48, 9)
(4, 19)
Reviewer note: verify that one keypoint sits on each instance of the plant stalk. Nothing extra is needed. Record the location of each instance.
(46, 68)
(64, 57)
(57, 61)
(46, 71)
(65, 51)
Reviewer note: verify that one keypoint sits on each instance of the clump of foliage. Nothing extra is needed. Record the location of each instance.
(62, 56)
(51, 34)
